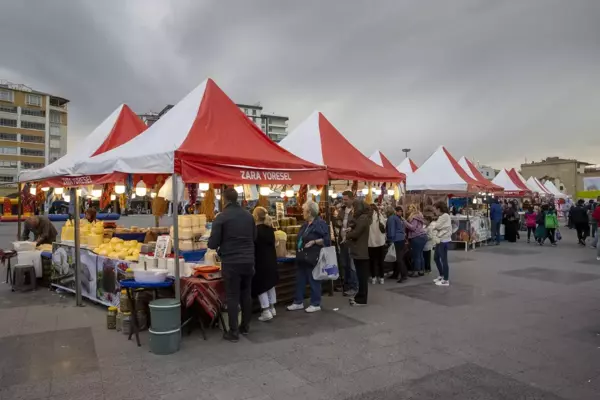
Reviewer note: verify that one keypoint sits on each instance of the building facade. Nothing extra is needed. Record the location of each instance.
(488, 173)
(33, 131)
(151, 117)
(566, 174)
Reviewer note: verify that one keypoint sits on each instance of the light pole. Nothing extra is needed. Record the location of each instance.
(406, 151)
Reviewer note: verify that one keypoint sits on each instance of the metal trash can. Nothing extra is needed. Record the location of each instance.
(165, 330)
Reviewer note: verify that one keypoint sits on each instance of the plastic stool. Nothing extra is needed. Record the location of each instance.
(23, 278)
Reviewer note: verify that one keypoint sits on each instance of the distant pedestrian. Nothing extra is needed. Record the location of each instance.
(551, 224)
(377, 247)
(540, 231)
(496, 219)
(358, 238)
(417, 235)
(511, 218)
(530, 217)
(396, 235)
(443, 232)
(430, 245)
(580, 219)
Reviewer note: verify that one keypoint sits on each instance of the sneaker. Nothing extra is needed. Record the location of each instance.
(381, 281)
(231, 337)
(273, 311)
(295, 307)
(244, 330)
(373, 281)
(443, 283)
(438, 279)
(355, 304)
(553, 244)
(312, 309)
(265, 316)
(350, 293)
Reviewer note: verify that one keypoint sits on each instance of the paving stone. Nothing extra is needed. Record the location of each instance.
(456, 295)
(553, 275)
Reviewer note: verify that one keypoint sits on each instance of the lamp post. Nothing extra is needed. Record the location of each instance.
(406, 151)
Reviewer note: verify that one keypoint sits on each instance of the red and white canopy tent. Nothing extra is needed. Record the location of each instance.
(118, 128)
(407, 166)
(441, 173)
(205, 138)
(378, 158)
(554, 190)
(474, 173)
(511, 183)
(537, 187)
(319, 142)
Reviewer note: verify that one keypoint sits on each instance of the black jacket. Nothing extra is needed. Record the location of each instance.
(579, 215)
(358, 237)
(265, 268)
(233, 235)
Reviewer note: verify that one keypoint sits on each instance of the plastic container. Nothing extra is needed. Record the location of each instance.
(129, 273)
(126, 323)
(111, 318)
(161, 263)
(165, 315)
(150, 276)
(151, 262)
(24, 246)
(124, 302)
(163, 343)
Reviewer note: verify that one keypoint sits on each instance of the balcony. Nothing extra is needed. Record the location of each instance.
(59, 104)
(32, 118)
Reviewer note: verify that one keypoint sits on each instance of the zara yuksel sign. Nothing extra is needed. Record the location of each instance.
(265, 176)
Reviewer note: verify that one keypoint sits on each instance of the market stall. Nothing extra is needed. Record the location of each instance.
(537, 187)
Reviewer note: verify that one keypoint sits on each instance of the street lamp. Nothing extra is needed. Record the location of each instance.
(406, 151)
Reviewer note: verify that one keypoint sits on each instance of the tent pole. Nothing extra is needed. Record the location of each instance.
(175, 203)
(19, 188)
(77, 232)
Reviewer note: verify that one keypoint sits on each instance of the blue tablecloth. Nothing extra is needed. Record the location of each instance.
(47, 254)
(132, 284)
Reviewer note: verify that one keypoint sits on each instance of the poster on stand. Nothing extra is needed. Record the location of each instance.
(99, 275)
(475, 229)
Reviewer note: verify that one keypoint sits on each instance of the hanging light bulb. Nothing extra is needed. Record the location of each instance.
(140, 189)
(203, 186)
(239, 189)
(218, 197)
(390, 192)
(32, 191)
(289, 193)
(96, 193)
(119, 188)
(282, 195)
(202, 194)
(264, 190)
(152, 195)
(365, 191)
(113, 197)
(78, 192)
(330, 192)
(378, 192)
(67, 198)
(59, 191)
(334, 195)
(132, 196)
(314, 192)
(474, 200)
(45, 189)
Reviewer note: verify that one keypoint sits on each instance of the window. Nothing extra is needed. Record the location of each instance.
(54, 144)
(34, 100)
(8, 150)
(31, 152)
(561, 188)
(54, 130)
(4, 178)
(33, 112)
(253, 112)
(55, 117)
(8, 122)
(32, 139)
(28, 165)
(8, 109)
(8, 136)
(33, 125)
(487, 173)
(8, 164)
(6, 95)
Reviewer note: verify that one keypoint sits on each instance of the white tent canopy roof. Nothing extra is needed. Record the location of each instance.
(502, 179)
(84, 150)
(554, 190)
(439, 173)
(535, 186)
(406, 166)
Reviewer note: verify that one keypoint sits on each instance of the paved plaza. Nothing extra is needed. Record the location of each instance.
(519, 322)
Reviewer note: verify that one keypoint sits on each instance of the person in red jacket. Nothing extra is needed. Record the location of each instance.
(596, 219)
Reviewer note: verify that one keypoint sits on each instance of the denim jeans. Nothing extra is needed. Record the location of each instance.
(441, 260)
(304, 277)
(350, 278)
(417, 245)
(496, 231)
(595, 234)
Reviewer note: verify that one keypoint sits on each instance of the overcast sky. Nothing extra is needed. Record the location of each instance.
(497, 81)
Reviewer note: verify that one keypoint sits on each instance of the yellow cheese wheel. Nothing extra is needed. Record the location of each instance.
(122, 254)
(116, 240)
(106, 240)
(131, 258)
(103, 252)
(114, 255)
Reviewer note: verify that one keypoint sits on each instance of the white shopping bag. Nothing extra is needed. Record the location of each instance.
(326, 268)
(391, 254)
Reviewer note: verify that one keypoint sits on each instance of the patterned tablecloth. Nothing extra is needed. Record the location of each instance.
(210, 295)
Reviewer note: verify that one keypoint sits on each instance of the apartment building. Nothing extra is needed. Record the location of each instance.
(566, 174)
(33, 131)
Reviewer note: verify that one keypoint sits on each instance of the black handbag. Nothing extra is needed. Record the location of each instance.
(308, 256)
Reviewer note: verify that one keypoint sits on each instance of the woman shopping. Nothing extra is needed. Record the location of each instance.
(417, 236)
(443, 235)
(396, 236)
(265, 264)
(313, 236)
(377, 247)
(358, 241)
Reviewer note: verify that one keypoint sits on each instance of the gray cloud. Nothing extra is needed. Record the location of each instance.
(495, 81)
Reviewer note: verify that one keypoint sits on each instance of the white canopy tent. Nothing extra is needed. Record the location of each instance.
(536, 186)
(508, 183)
(554, 190)
(441, 173)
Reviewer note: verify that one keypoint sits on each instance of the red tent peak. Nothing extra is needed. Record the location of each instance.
(127, 126)
(459, 170)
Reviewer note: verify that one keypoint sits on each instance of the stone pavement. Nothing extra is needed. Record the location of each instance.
(519, 322)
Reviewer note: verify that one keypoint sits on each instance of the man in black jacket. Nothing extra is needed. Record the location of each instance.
(233, 235)
(580, 219)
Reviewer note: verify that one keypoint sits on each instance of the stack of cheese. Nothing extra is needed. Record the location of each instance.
(68, 232)
(119, 249)
(191, 228)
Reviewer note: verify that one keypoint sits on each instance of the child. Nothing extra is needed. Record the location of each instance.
(530, 217)
(430, 242)
(551, 223)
